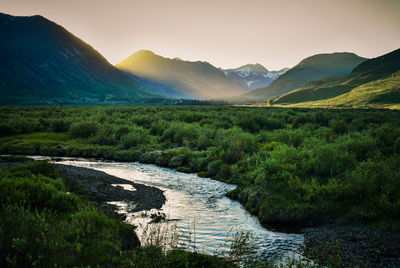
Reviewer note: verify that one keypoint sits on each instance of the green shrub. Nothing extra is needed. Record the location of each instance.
(63, 202)
(214, 167)
(184, 169)
(177, 161)
(26, 237)
(104, 136)
(396, 147)
(83, 129)
(180, 258)
(60, 125)
(150, 157)
(121, 131)
(163, 160)
(38, 167)
(338, 126)
(6, 129)
(136, 136)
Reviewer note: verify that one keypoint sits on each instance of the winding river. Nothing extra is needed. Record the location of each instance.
(198, 207)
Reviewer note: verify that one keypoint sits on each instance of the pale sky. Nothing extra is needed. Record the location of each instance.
(226, 33)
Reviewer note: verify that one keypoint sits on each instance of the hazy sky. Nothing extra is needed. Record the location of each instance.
(227, 33)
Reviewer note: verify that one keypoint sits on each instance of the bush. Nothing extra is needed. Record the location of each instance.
(213, 167)
(83, 129)
(184, 169)
(37, 167)
(121, 131)
(396, 147)
(6, 129)
(26, 239)
(179, 132)
(338, 126)
(134, 138)
(177, 161)
(278, 210)
(35, 191)
(63, 202)
(59, 125)
(180, 258)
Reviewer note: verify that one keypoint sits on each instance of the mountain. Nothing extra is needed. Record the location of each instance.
(253, 76)
(380, 93)
(368, 71)
(41, 62)
(189, 79)
(312, 68)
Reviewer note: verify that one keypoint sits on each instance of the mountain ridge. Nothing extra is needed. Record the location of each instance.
(253, 76)
(56, 65)
(367, 71)
(315, 67)
(196, 79)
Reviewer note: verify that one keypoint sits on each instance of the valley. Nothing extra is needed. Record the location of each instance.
(199, 134)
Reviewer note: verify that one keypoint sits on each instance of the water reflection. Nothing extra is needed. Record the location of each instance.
(197, 206)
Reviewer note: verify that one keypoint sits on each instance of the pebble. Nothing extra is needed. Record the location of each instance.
(97, 186)
(352, 245)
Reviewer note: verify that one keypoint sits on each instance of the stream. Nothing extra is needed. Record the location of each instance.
(196, 207)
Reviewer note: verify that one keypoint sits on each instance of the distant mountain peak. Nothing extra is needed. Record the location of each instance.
(144, 52)
(328, 59)
(258, 68)
(253, 76)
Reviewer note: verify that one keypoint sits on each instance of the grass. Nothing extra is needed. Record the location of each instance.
(293, 167)
(43, 224)
(382, 93)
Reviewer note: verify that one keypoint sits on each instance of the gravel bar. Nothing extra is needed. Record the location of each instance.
(97, 187)
(352, 245)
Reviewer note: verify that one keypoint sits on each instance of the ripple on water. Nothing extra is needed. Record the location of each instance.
(198, 207)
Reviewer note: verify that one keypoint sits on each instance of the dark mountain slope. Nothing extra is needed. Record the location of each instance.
(41, 61)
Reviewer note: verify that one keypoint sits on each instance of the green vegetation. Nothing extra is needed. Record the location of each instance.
(373, 78)
(43, 225)
(293, 167)
(383, 92)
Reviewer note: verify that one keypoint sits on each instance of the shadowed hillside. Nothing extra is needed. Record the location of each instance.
(41, 62)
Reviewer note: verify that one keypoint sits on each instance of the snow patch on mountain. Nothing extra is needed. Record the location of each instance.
(250, 82)
(273, 75)
(253, 76)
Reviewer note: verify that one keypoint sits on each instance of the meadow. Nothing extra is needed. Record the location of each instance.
(293, 167)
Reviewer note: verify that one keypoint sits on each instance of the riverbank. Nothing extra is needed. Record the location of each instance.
(43, 223)
(344, 245)
(101, 188)
(334, 245)
(338, 245)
